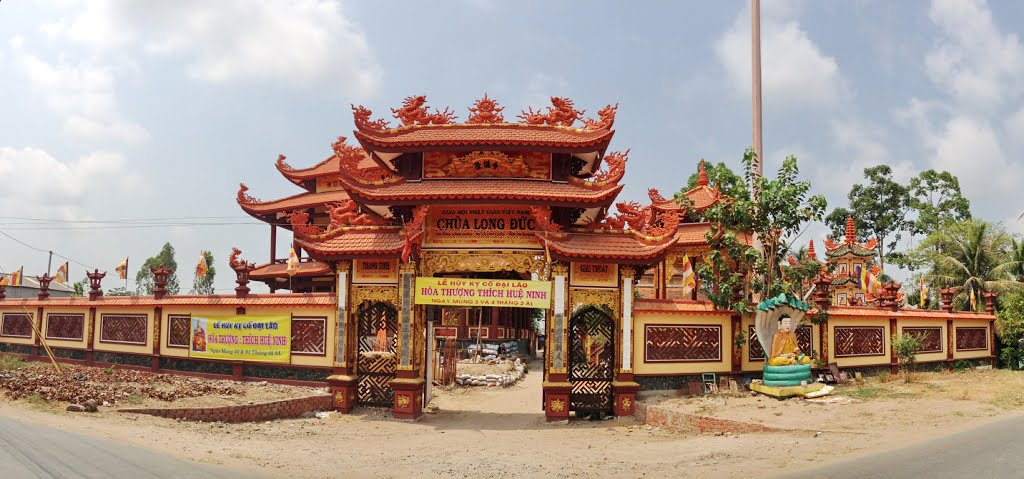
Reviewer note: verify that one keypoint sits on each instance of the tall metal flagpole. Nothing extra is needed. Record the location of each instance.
(755, 64)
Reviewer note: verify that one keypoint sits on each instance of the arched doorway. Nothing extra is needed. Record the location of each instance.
(377, 363)
(591, 361)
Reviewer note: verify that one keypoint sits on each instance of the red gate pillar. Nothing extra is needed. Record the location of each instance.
(408, 384)
(556, 380)
(624, 388)
(343, 381)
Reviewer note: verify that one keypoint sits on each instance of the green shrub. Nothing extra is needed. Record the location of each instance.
(906, 347)
(962, 365)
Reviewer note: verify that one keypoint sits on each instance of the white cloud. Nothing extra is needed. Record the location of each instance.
(970, 149)
(34, 183)
(794, 71)
(298, 42)
(973, 60)
(542, 87)
(82, 94)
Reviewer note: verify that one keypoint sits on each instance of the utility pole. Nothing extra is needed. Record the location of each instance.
(755, 64)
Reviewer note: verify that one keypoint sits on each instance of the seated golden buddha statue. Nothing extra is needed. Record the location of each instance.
(784, 346)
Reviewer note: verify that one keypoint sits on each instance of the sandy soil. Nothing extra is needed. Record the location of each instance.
(494, 433)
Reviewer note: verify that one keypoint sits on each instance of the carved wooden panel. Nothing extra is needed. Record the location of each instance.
(971, 339)
(682, 343)
(309, 336)
(16, 325)
(123, 328)
(65, 326)
(859, 341)
(756, 353)
(178, 326)
(930, 337)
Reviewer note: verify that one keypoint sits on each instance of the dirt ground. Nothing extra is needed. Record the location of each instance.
(500, 432)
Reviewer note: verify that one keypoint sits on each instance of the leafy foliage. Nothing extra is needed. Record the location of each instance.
(119, 291)
(79, 288)
(880, 207)
(777, 216)
(968, 252)
(906, 347)
(144, 278)
(719, 174)
(1010, 327)
(936, 198)
(204, 285)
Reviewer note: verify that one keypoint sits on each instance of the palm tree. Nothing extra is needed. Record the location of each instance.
(970, 252)
(1017, 255)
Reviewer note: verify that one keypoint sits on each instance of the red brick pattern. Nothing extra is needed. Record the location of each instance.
(65, 326)
(16, 325)
(123, 328)
(267, 411)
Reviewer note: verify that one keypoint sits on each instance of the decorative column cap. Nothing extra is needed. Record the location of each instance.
(160, 275)
(44, 286)
(242, 270)
(94, 284)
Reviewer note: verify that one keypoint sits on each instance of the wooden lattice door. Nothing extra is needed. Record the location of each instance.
(591, 361)
(378, 340)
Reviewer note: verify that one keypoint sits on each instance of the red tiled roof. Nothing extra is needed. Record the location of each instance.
(356, 243)
(511, 134)
(301, 200)
(702, 197)
(644, 305)
(610, 245)
(487, 189)
(839, 312)
(278, 270)
(327, 167)
(693, 234)
(264, 300)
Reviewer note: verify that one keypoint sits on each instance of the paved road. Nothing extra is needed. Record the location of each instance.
(992, 451)
(33, 451)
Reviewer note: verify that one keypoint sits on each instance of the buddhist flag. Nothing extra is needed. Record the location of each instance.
(3, 281)
(293, 262)
(122, 269)
(62, 273)
(974, 299)
(202, 268)
(924, 293)
(869, 283)
(15, 278)
(689, 279)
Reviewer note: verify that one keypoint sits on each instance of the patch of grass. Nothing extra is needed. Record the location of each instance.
(132, 399)
(10, 362)
(864, 392)
(884, 376)
(965, 395)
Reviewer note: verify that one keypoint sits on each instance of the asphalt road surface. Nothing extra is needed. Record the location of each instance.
(32, 451)
(992, 451)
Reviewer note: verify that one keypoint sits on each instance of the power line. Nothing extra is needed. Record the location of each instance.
(87, 267)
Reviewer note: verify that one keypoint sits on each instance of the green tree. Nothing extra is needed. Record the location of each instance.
(836, 221)
(719, 174)
(970, 252)
(144, 278)
(880, 207)
(906, 347)
(1010, 326)
(778, 216)
(1017, 256)
(937, 200)
(204, 285)
(119, 291)
(79, 288)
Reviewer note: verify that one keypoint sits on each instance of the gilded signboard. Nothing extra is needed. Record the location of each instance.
(369, 271)
(594, 274)
(482, 225)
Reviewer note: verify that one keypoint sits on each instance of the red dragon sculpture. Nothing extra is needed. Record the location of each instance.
(346, 214)
(414, 231)
(414, 112)
(244, 197)
(363, 121)
(615, 164)
(562, 112)
(237, 264)
(607, 119)
(300, 224)
(349, 158)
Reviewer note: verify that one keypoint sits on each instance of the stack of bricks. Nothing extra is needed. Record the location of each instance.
(267, 411)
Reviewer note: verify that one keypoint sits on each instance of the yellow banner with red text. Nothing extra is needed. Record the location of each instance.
(512, 293)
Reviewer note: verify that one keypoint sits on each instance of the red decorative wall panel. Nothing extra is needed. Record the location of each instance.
(178, 329)
(309, 336)
(859, 341)
(65, 326)
(930, 337)
(123, 328)
(756, 353)
(16, 325)
(971, 339)
(682, 343)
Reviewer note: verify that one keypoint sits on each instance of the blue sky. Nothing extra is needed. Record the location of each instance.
(117, 109)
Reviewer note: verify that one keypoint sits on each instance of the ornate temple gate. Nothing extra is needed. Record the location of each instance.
(377, 362)
(591, 360)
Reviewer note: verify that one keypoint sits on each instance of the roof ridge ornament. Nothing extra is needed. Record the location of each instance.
(616, 170)
(485, 110)
(414, 112)
(607, 119)
(562, 112)
(362, 114)
(702, 175)
(851, 230)
(244, 197)
(283, 165)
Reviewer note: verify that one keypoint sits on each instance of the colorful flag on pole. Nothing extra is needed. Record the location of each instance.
(869, 283)
(122, 269)
(689, 279)
(293, 262)
(974, 299)
(3, 281)
(62, 273)
(15, 278)
(924, 294)
(202, 268)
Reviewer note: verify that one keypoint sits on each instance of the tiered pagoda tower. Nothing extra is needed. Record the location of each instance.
(849, 257)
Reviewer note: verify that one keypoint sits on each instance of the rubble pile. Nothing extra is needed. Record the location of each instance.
(516, 373)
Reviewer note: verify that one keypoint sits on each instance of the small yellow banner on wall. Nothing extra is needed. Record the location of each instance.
(251, 338)
(483, 292)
